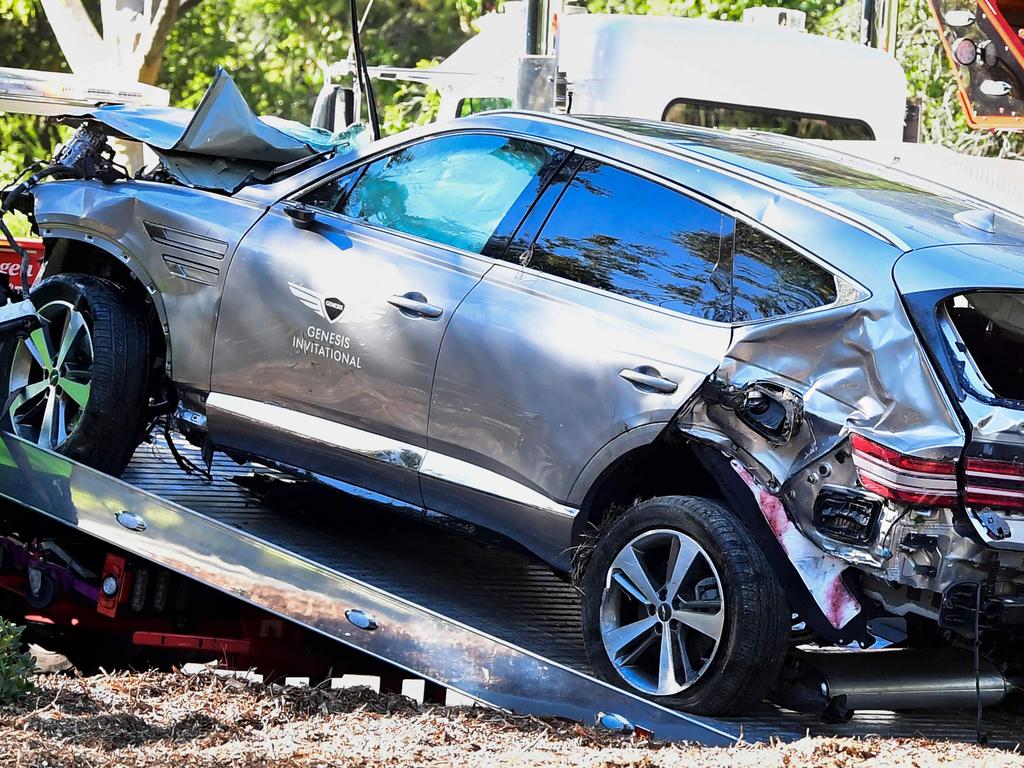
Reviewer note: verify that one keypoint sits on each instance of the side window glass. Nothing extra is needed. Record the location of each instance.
(331, 196)
(771, 279)
(622, 233)
(475, 104)
(455, 190)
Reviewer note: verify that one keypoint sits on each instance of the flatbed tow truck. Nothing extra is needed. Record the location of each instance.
(480, 620)
(82, 548)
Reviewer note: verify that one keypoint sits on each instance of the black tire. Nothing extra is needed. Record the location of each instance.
(108, 427)
(755, 625)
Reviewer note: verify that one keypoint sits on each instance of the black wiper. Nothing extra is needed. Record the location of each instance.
(297, 165)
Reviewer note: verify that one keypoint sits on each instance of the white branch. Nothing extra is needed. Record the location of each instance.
(77, 36)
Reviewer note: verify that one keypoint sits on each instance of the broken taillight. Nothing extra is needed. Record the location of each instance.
(901, 478)
(993, 483)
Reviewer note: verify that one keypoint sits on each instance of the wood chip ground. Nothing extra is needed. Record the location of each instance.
(171, 720)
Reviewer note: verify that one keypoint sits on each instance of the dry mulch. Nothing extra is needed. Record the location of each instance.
(173, 720)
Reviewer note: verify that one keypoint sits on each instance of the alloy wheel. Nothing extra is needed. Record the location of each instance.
(662, 612)
(51, 377)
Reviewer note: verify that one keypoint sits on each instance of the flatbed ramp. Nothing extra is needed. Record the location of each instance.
(474, 617)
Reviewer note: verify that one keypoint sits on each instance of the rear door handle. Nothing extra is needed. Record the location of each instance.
(414, 303)
(648, 379)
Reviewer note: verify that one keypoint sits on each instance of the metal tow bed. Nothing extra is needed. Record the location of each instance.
(490, 623)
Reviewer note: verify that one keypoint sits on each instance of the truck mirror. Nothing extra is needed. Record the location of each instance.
(335, 108)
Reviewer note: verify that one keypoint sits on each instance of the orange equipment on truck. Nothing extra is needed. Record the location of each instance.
(982, 40)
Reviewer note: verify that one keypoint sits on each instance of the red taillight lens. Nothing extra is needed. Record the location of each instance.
(905, 479)
(993, 483)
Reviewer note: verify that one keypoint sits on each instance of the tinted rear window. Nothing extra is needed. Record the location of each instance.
(625, 234)
(770, 279)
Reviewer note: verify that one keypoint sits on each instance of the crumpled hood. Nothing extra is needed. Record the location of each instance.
(220, 145)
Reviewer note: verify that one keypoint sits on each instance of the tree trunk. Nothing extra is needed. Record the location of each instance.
(133, 40)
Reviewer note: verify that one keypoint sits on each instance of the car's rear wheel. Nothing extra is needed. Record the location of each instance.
(77, 384)
(680, 605)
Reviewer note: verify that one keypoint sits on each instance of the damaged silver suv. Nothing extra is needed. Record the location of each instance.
(750, 392)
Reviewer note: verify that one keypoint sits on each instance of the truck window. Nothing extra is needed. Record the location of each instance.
(622, 233)
(474, 104)
(453, 190)
(770, 279)
(706, 114)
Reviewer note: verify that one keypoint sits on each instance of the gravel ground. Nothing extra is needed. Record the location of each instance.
(187, 721)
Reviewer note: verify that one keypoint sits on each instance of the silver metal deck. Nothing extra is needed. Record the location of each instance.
(496, 594)
(318, 573)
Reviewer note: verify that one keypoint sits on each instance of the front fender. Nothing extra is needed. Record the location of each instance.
(177, 241)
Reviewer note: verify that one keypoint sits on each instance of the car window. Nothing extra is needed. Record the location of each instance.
(453, 190)
(475, 104)
(771, 279)
(331, 196)
(706, 114)
(620, 232)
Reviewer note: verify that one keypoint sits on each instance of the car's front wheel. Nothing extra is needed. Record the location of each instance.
(77, 384)
(680, 605)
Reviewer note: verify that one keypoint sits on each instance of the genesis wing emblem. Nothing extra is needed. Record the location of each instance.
(316, 302)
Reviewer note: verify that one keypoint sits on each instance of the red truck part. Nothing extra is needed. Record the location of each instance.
(10, 262)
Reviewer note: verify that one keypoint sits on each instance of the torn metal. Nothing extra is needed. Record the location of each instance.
(221, 145)
(892, 514)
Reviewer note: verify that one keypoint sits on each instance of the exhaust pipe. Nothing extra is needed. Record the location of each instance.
(833, 684)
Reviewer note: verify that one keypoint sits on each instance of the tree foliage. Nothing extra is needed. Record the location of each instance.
(16, 665)
(276, 49)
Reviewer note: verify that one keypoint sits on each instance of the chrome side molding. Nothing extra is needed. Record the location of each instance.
(318, 430)
(387, 450)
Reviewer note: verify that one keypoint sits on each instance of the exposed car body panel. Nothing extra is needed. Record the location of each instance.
(927, 278)
(370, 367)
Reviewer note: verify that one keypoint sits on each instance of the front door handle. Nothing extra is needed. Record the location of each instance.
(648, 379)
(414, 303)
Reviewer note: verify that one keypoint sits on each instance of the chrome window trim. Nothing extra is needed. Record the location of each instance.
(386, 450)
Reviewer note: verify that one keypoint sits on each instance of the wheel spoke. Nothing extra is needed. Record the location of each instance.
(648, 640)
(684, 657)
(632, 569)
(60, 423)
(709, 624)
(46, 428)
(681, 558)
(619, 638)
(628, 587)
(72, 327)
(38, 346)
(667, 682)
(77, 391)
(25, 395)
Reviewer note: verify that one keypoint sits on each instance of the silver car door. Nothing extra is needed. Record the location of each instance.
(608, 321)
(336, 304)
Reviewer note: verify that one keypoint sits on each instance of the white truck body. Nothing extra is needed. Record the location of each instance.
(639, 66)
